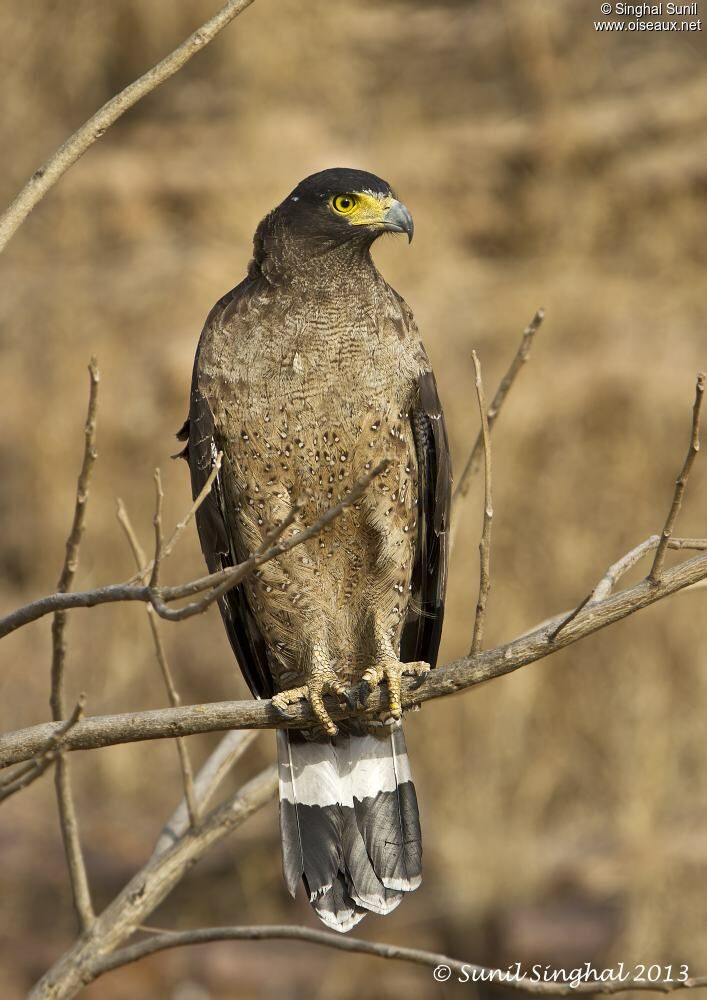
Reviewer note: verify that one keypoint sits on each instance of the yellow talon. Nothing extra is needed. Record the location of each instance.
(392, 672)
(313, 693)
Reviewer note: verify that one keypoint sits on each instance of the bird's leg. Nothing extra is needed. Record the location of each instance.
(321, 679)
(390, 669)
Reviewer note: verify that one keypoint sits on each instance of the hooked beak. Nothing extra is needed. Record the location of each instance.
(397, 219)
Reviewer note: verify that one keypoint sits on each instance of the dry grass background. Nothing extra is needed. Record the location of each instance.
(564, 807)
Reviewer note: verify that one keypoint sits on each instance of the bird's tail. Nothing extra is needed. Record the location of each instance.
(349, 823)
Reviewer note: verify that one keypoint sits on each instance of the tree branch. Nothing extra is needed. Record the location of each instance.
(160, 653)
(230, 749)
(521, 356)
(168, 548)
(65, 800)
(28, 772)
(661, 543)
(465, 971)
(485, 543)
(680, 482)
(43, 179)
(457, 676)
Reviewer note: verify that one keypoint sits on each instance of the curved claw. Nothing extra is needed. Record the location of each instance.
(351, 698)
(282, 710)
(313, 692)
(392, 671)
(419, 681)
(364, 692)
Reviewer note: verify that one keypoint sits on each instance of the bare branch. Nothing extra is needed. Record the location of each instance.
(67, 812)
(146, 890)
(71, 558)
(521, 356)
(157, 522)
(457, 676)
(181, 525)
(172, 693)
(485, 543)
(661, 543)
(147, 567)
(465, 971)
(681, 481)
(43, 179)
(230, 749)
(28, 772)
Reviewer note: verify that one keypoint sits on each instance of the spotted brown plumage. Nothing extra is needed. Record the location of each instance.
(307, 375)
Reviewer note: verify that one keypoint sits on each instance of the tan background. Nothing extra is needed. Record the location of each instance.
(565, 807)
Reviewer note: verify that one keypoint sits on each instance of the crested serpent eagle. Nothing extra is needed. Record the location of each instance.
(307, 375)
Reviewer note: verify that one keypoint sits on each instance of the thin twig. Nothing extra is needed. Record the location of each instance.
(161, 655)
(218, 583)
(526, 980)
(485, 543)
(456, 676)
(681, 481)
(521, 356)
(28, 773)
(229, 751)
(157, 522)
(43, 179)
(168, 547)
(67, 811)
(202, 495)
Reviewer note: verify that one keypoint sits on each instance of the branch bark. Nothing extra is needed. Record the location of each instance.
(43, 179)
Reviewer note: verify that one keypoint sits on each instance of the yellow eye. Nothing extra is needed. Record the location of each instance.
(343, 204)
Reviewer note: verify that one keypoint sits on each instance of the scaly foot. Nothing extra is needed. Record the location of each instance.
(320, 683)
(392, 671)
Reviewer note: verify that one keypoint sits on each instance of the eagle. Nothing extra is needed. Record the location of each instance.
(308, 374)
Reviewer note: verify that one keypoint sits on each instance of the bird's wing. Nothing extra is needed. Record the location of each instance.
(422, 629)
(218, 532)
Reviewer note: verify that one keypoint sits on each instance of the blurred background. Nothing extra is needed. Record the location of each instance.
(564, 807)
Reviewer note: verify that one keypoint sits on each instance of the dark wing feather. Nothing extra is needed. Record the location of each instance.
(422, 629)
(218, 533)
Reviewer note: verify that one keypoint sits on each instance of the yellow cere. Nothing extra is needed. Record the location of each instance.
(361, 208)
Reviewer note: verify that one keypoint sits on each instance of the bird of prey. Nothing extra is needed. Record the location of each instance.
(307, 375)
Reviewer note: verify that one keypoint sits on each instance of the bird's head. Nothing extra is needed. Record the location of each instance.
(333, 208)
